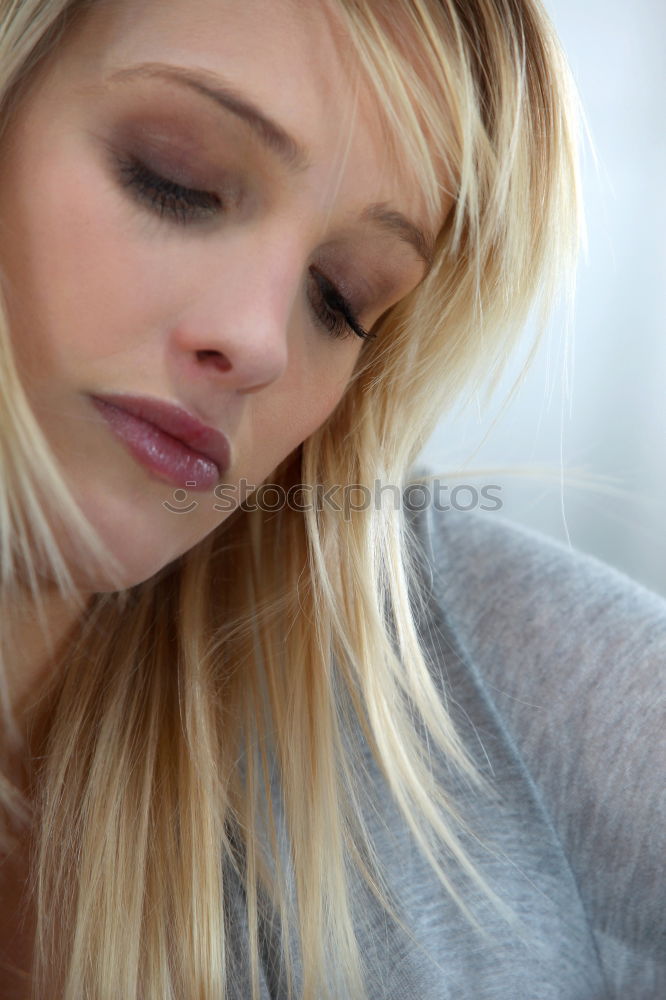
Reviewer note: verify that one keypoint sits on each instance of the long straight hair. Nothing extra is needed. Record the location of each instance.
(180, 704)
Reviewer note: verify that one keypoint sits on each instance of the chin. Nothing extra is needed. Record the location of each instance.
(139, 559)
(143, 540)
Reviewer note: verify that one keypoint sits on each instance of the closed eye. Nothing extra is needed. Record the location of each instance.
(184, 205)
(166, 197)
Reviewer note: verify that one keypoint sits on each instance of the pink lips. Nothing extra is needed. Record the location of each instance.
(167, 440)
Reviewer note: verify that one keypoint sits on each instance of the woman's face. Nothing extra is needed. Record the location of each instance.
(223, 302)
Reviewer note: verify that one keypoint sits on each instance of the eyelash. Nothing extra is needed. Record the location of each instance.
(183, 205)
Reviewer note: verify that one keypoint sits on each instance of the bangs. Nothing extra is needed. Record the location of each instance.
(411, 84)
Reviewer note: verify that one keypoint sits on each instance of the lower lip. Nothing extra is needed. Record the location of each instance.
(161, 454)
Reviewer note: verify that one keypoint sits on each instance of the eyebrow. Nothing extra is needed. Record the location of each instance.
(277, 140)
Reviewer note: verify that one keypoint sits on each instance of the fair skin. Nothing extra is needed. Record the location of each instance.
(216, 313)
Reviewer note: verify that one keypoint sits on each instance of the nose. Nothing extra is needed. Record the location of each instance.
(236, 335)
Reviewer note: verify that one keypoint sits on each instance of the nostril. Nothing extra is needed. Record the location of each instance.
(218, 359)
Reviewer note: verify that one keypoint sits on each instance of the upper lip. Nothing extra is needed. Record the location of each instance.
(177, 422)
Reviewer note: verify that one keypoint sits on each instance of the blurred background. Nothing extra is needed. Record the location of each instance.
(596, 448)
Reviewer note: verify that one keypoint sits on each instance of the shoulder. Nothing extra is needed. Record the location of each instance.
(541, 619)
(499, 580)
(572, 653)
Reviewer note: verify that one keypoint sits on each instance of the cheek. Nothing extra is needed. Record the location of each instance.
(78, 286)
(322, 397)
(286, 417)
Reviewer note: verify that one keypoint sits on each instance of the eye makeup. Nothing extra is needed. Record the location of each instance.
(184, 206)
(166, 197)
(194, 170)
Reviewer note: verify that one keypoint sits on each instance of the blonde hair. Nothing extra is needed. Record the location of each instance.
(248, 663)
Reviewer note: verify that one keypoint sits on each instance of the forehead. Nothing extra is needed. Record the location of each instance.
(291, 58)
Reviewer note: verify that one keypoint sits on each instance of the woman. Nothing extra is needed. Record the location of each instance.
(307, 742)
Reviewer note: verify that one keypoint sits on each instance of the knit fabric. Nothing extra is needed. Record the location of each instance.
(553, 668)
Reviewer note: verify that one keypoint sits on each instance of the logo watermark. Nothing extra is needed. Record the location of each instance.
(345, 499)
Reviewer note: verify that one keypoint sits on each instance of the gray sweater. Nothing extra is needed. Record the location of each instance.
(554, 669)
